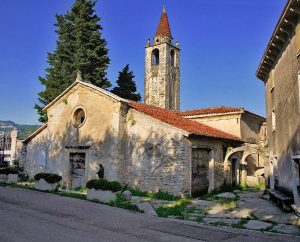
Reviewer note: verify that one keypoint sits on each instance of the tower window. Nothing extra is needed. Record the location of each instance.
(155, 57)
(273, 120)
(172, 58)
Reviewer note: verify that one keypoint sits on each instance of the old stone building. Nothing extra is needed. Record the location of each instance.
(246, 163)
(151, 146)
(8, 142)
(140, 145)
(279, 70)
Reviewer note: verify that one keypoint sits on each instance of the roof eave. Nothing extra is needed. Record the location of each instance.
(283, 31)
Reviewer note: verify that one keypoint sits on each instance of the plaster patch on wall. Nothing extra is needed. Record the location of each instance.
(73, 100)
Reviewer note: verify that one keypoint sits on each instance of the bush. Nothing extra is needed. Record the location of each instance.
(102, 184)
(163, 196)
(48, 177)
(9, 170)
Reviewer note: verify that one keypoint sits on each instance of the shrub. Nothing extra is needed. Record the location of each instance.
(9, 170)
(48, 177)
(102, 184)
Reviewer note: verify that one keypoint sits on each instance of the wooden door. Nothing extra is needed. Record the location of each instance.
(200, 166)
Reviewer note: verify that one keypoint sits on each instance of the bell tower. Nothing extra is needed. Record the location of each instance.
(162, 68)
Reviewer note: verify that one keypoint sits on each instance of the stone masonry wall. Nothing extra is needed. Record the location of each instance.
(282, 95)
(158, 155)
(162, 81)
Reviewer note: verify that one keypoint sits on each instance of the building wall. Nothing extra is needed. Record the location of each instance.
(284, 142)
(250, 127)
(216, 174)
(230, 123)
(99, 133)
(158, 155)
(244, 125)
(36, 154)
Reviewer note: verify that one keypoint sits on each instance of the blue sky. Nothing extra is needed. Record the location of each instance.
(221, 45)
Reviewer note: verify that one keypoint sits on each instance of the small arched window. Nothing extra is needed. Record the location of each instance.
(155, 57)
(172, 58)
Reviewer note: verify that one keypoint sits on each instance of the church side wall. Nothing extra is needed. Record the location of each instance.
(158, 155)
(36, 154)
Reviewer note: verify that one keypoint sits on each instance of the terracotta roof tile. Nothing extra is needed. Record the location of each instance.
(172, 118)
(213, 110)
(163, 28)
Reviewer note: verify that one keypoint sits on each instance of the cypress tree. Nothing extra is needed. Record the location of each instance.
(126, 85)
(80, 47)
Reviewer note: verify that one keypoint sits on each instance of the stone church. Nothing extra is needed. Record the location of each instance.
(151, 146)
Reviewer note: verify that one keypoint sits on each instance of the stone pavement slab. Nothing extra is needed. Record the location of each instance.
(287, 229)
(203, 203)
(226, 195)
(257, 224)
(147, 208)
(227, 221)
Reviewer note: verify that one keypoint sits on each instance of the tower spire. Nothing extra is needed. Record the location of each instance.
(163, 28)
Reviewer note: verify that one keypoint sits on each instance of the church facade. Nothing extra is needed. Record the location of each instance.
(151, 146)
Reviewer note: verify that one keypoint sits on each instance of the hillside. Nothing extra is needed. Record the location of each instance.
(23, 129)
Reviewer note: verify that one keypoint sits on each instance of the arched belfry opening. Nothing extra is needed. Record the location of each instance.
(172, 58)
(155, 57)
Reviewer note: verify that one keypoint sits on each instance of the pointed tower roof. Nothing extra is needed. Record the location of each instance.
(163, 28)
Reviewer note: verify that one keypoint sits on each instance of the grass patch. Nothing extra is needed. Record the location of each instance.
(153, 195)
(123, 203)
(178, 209)
(228, 203)
(241, 223)
(245, 187)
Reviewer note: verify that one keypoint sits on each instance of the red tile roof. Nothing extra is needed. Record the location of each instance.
(172, 118)
(214, 110)
(163, 28)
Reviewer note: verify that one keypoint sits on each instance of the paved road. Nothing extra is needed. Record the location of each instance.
(34, 216)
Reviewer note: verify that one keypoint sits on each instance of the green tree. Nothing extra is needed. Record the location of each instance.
(126, 85)
(80, 47)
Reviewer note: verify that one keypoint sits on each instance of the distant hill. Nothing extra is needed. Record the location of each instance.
(24, 130)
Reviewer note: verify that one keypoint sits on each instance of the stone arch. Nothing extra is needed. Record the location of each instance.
(172, 58)
(155, 57)
(244, 152)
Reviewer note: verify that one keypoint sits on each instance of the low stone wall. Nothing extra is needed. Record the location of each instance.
(100, 195)
(10, 178)
(45, 186)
